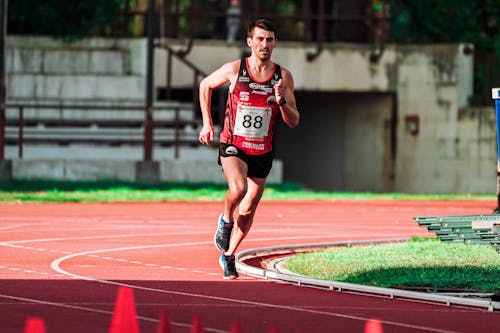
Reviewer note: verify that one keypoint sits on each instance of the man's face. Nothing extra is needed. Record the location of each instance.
(262, 43)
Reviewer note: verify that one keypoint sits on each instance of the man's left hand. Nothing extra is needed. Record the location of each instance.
(279, 91)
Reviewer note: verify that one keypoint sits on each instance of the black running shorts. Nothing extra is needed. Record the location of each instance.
(259, 166)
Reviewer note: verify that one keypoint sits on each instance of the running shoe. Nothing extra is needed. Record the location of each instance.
(223, 234)
(227, 263)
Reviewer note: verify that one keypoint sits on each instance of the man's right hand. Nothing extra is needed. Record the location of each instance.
(206, 134)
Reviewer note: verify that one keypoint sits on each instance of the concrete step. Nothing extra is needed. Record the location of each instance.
(90, 87)
(109, 136)
(54, 61)
(54, 110)
(96, 56)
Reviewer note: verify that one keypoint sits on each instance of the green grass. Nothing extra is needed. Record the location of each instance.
(421, 262)
(120, 191)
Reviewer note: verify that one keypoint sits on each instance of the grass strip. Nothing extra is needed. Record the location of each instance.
(121, 191)
(421, 262)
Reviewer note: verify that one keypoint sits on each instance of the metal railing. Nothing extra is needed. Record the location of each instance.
(61, 129)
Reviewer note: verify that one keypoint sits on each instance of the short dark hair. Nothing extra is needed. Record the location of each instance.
(263, 24)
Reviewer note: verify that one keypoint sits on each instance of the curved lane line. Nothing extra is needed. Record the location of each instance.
(56, 266)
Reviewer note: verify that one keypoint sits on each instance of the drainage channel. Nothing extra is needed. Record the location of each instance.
(274, 271)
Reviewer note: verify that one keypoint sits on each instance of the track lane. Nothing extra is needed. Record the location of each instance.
(76, 254)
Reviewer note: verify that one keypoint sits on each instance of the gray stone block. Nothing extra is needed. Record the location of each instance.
(147, 172)
(38, 169)
(109, 62)
(68, 61)
(5, 169)
(98, 170)
(61, 87)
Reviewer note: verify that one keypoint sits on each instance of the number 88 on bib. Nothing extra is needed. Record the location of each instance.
(252, 122)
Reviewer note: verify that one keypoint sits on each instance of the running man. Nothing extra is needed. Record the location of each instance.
(259, 90)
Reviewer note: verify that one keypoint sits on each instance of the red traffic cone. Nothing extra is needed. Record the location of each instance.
(196, 325)
(124, 318)
(373, 326)
(34, 325)
(235, 327)
(164, 324)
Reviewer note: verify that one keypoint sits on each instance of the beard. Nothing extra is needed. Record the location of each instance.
(264, 54)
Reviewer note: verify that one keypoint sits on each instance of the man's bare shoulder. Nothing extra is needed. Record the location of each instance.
(232, 67)
(285, 72)
(287, 76)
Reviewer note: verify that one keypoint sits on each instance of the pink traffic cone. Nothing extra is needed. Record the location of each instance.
(373, 326)
(164, 323)
(124, 318)
(34, 325)
(235, 327)
(196, 325)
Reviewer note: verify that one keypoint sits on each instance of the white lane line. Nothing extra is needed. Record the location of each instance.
(63, 239)
(87, 309)
(108, 237)
(30, 271)
(56, 266)
(94, 256)
(18, 226)
(14, 244)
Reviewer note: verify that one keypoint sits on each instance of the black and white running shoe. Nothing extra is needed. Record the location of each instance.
(227, 263)
(223, 234)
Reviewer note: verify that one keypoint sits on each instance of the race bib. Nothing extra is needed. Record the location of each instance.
(252, 122)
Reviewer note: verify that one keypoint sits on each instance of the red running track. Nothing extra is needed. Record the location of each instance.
(64, 262)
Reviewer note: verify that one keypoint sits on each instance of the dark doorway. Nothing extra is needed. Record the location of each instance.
(344, 142)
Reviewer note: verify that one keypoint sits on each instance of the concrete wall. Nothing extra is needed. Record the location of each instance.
(356, 131)
(202, 170)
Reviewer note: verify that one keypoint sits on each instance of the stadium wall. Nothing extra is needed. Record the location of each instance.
(402, 124)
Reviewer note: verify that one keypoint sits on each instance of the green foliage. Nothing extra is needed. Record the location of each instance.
(433, 21)
(63, 19)
(446, 21)
(454, 21)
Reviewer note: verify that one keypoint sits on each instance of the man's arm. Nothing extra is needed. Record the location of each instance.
(284, 91)
(218, 78)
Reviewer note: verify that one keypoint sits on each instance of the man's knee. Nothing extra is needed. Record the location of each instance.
(238, 191)
(248, 208)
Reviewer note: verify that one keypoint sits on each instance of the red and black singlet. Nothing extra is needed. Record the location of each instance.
(250, 118)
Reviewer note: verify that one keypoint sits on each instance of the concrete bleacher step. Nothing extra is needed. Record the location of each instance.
(42, 68)
(46, 110)
(64, 136)
(51, 57)
(75, 86)
(92, 95)
(104, 122)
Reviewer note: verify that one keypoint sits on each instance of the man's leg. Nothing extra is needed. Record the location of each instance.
(247, 209)
(235, 171)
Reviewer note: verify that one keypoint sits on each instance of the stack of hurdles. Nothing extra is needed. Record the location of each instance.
(468, 229)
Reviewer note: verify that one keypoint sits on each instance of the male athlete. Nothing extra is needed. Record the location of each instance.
(259, 90)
